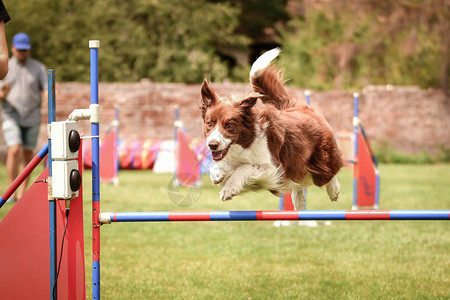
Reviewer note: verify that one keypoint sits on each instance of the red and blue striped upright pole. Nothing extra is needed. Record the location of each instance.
(355, 150)
(23, 175)
(51, 202)
(95, 130)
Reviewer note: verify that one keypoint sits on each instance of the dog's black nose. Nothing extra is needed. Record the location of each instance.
(213, 145)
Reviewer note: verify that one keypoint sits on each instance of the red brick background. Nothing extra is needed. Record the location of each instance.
(409, 118)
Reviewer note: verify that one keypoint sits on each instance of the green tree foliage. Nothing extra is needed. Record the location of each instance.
(172, 40)
(348, 44)
(339, 44)
(256, 15)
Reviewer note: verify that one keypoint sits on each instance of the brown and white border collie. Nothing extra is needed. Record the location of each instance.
(279, 144)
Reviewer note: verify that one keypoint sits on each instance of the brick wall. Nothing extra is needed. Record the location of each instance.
(411, 119)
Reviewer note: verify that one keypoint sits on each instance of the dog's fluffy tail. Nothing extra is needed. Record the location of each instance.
(260, 65)
(267, 81)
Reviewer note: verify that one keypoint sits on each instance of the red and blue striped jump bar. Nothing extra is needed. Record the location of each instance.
(177, 216)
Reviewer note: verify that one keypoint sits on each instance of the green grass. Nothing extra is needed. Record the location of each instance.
(243, 260)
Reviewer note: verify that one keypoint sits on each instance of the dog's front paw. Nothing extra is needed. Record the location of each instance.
(216, 174)
(228, 191)
(334, 196)
(333, 189)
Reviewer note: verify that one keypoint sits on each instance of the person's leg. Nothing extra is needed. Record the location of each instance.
(29, 139)
(27, 156)
(12, 162)
(12, 135)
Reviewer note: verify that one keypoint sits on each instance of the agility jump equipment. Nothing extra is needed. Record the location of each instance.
(366, 177)
(36, 245)
(73, 260)
(305, 215)
(188, 161)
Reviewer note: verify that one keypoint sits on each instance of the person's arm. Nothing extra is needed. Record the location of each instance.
(5, 87)
(43, 78)
(4, 55)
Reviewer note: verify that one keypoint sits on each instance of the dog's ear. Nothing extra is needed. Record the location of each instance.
(249, 101)
(209, 97)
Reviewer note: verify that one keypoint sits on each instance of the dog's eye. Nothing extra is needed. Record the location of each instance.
(209, 124)
(229, 126)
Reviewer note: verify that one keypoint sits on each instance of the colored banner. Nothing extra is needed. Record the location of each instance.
(108, 157)
(188, 166)
(365, 174)
(25, 250)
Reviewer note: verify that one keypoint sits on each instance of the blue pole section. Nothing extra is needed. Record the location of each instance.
(355, 150)
(377, 190)
(307, 93)
(177, 112)
(52, 202)
(94, 45)
(281, 205)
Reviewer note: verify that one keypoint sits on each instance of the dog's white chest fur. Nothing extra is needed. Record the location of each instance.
(247, 169)
(258, 153)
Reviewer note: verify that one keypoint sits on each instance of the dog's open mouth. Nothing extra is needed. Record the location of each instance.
(219, 155)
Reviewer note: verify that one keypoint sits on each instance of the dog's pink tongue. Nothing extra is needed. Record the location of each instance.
(217, 155)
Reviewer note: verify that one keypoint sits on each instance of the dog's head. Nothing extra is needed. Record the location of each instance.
(227, 122)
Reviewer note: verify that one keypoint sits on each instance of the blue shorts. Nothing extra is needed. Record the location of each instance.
(19, 135)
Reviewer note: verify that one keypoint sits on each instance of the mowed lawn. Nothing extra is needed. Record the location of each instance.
(256, 260)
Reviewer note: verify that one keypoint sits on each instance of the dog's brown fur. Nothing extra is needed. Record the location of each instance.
(299, 139)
